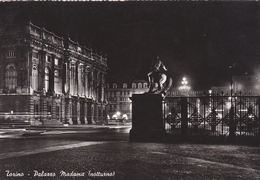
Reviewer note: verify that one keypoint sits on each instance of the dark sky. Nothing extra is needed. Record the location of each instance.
(195, 39)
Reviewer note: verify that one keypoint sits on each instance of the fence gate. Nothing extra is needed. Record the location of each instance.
(212, 115)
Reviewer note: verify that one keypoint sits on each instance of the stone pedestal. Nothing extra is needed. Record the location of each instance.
(147, 117)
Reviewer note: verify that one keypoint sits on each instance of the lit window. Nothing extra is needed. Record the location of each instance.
(133, 85)
(56, 61)
(46, 78)
(145, 85)
(124, 85)
(114, 85)
(139, 85)
(10, 77)
(56, 73)
(34, 77)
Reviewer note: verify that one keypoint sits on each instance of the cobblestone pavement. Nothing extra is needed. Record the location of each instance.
(107, 154)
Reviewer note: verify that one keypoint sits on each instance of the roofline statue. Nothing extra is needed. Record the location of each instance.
(159, 80)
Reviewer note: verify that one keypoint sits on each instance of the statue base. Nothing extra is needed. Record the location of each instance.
(147, 118)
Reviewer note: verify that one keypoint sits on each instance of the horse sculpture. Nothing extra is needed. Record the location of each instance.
(159, 79)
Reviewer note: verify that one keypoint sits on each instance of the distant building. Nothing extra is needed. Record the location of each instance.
(241, 84)
(118, 96)
(46, 79)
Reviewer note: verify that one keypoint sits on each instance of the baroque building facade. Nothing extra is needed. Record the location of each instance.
(118, 96)
(47, 79)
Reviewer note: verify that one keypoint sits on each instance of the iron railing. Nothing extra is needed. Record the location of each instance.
(219, 115)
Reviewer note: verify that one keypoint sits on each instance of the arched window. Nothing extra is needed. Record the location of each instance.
(139, 85)
(10, 77)
(47, 79)
(133, 85)
(124, 85)
(114, 85)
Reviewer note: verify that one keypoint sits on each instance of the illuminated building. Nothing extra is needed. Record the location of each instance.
(46, 79)
(118, 96)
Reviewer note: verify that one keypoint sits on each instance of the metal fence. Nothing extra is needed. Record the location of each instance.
(212, 115)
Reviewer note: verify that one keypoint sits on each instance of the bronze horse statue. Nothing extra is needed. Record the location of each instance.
(159, 80)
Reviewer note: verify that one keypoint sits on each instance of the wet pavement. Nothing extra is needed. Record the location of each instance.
(106, 153)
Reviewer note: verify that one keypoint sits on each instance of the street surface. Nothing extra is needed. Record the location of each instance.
(105, 153)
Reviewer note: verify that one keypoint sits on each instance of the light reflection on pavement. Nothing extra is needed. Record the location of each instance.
(46, 149)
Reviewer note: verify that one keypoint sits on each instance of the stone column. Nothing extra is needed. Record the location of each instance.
(41, 69)
(80, 80)
(91, 84)
(78, 111)
(83, 81)
(63, 112)
(51, 76)
(86, 111)
(76, 78)
(101, 115)
(86, 83)
(64, 78)
(71, 79)
(102, 88)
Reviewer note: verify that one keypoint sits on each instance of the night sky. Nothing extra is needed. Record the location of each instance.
(194, 39)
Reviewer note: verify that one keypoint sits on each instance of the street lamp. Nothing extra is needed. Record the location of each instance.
(184, 85)
(232, 126)
(231, 81)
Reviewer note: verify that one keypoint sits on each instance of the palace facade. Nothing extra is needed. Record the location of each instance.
(47, 79)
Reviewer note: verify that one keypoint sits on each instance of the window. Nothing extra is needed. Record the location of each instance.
(145, 85)
(48, 58)
(56, 61)
(35, 77)
(57, 85)
(10, 77)
(124, 85)
(139, 85)
(35, 55)
(46, 79)
(114, 85)
(56, 73)
(133, 85)
(11, 53)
